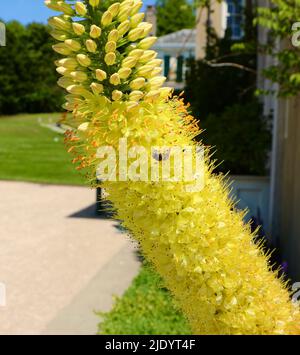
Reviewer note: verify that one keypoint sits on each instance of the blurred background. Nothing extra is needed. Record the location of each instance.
(61, 257)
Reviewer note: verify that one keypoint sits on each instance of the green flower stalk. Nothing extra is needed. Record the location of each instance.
(195, 239)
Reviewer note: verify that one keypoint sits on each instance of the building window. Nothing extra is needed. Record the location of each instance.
(235, 18)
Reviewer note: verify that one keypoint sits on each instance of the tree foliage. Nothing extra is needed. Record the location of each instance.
(27, 78)
(174, 15)
(281, 20)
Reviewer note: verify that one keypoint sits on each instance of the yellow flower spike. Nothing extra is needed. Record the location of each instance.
(106, 19)
(135, 34)
(124, 73)
(136, 7)
(91, 45)
(136, 95)
(113, 36)
(114, 9)
(110, 47)
(115, 79)
(129, 62)
(97, 88)
(136, 20)
(194, 238)
(123, 28)
(137, 83)
(79, 76)
(78, 28)
(117, 95)
(147, 43)
(147, 56)
(101, 74)
(72, 44)
(94, 3)
(59, 35)
(61, 48)
(95, 31)
(83, 60)
(110, 58)
(80, 8)
(64, 82)
(69, 63)
(63, 71)
(59, 23)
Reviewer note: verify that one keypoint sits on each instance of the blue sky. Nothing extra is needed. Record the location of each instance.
(27, 11)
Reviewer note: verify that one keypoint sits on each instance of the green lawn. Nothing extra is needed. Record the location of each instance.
(145, 308)
(31, 152)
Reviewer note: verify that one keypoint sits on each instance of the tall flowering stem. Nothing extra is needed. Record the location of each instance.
(196, 240)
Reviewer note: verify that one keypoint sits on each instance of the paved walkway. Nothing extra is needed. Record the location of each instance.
(58, 262)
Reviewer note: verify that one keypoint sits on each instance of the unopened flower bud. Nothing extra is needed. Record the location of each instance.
(73, 45)
(110, 46)
(78, 28)
(124, 73)
(101, 74)
(123, 27)
(124, 14)
(61, 48)
(136, 19)
(59, 23)
(147, 27)
(69, 63)
(59, 35)
(64, 82)
(80, 8)
(117, 95)
(63, 71)
(155, 72)
(77, 90)
(137, 84)
(135, 34)
(145, 71)
(106, 19)
(136, 53)
(136, 8)
(97, 88)
(79, 76)
(83, 60)
(136, 95)
(94, 3)
(129, 62)
(113, 36)
(115, 79)
(152, 95)
(156, 83)
(146, 43)
(91, 45)
(110, 58)
(95, 31)
(114, 9)
(147, 56)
